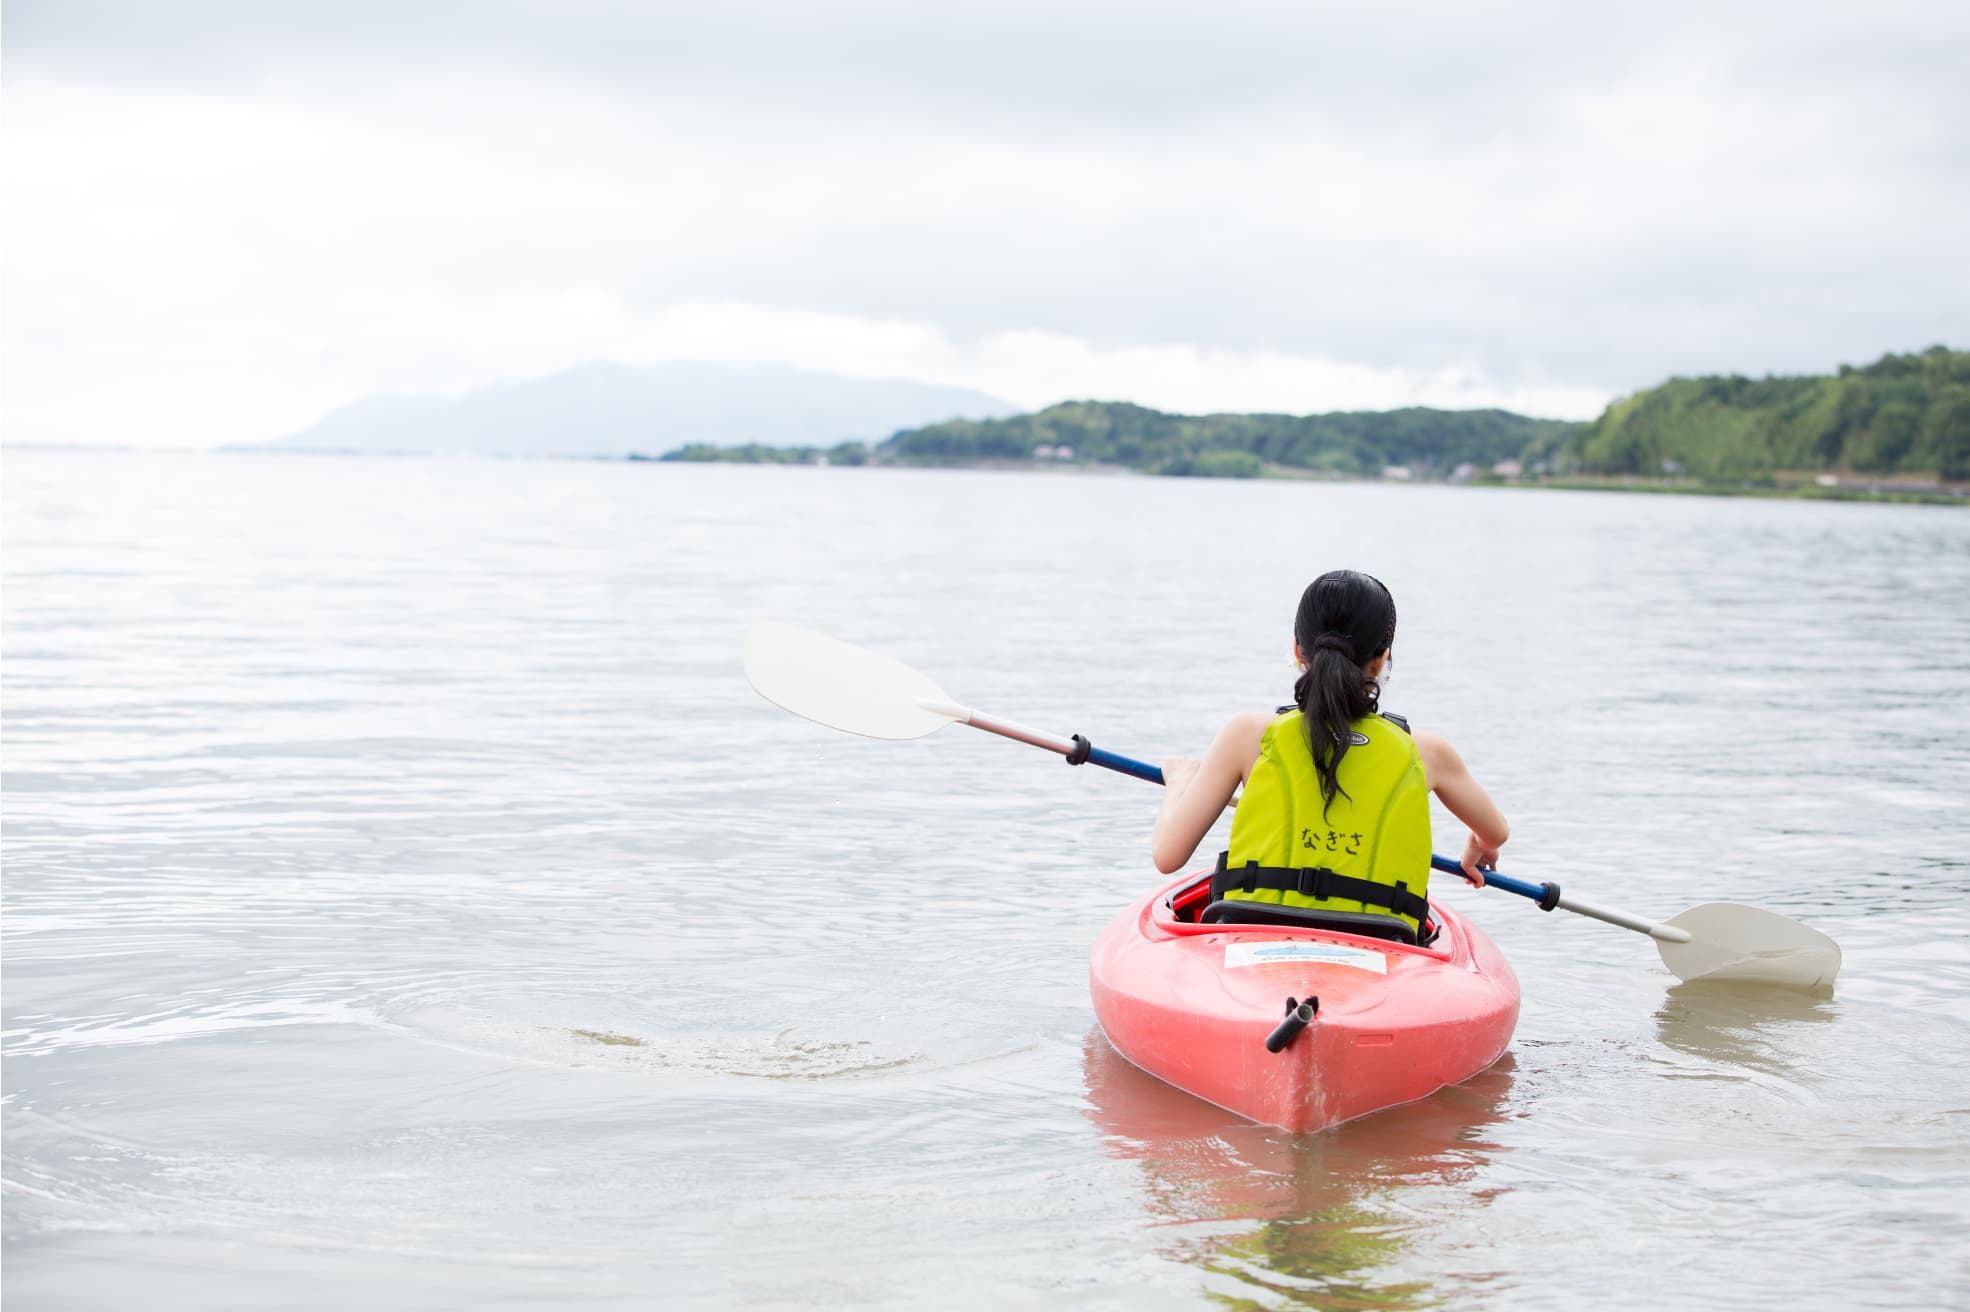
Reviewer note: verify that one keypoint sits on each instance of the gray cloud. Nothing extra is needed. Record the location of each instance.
(1590, 194)
(1439, 74)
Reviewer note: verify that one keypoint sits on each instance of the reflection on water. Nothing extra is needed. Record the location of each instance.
(1327, 1231)
(1751, 1026)
(1319, 1260)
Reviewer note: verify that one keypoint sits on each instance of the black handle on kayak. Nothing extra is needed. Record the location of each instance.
(1299, 1015)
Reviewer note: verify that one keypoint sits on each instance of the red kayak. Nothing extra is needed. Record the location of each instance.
(1359, 1023)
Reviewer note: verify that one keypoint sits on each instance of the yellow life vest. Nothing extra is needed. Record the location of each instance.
(1368, 852)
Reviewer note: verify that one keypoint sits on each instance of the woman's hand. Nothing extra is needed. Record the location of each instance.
(1478, 853)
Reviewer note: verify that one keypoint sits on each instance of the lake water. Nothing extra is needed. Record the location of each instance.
(408, 905)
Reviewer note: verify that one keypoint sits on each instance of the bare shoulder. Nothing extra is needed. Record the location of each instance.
(1245, 727)
(1439, 757)
(1238, 742)
(1252, 722)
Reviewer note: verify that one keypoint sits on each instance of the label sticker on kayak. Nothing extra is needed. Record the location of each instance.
(1331, 954)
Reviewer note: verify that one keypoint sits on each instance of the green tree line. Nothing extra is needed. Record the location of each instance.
(755, 453)
(1356, 443)
(1903, 414)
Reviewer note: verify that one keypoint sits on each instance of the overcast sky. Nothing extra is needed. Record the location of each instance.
(223, 219)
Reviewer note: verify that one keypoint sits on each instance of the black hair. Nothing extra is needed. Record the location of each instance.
(1345, 620)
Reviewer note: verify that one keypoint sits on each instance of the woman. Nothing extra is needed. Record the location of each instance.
(1334, 820)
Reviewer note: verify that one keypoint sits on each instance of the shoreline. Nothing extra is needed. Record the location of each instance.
(1796, 488)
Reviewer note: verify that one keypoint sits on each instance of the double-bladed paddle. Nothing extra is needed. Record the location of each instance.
(855, 690)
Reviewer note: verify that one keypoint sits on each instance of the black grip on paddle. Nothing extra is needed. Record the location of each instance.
(1298, 1016)
(1549, 896)
(1082, 749)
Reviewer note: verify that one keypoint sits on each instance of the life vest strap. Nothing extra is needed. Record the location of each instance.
(1318, 883)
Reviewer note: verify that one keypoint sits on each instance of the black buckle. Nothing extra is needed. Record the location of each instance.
(1313, 882)
(1250, 882)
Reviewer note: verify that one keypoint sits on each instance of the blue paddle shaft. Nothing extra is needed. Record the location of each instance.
(1124, 764)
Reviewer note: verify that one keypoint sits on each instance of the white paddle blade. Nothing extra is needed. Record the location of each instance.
(1730, 941)
(842, 686)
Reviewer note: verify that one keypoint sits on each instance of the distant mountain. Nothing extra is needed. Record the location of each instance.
(613, 410)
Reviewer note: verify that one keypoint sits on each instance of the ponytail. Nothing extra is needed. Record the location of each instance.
(1345, 620)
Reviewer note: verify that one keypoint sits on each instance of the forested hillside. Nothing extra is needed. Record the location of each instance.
(1903, 414)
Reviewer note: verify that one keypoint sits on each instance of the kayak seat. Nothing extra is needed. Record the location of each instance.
(1367, 923)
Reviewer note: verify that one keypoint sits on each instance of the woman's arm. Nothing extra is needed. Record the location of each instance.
(1195, 792)
(1451, 781)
